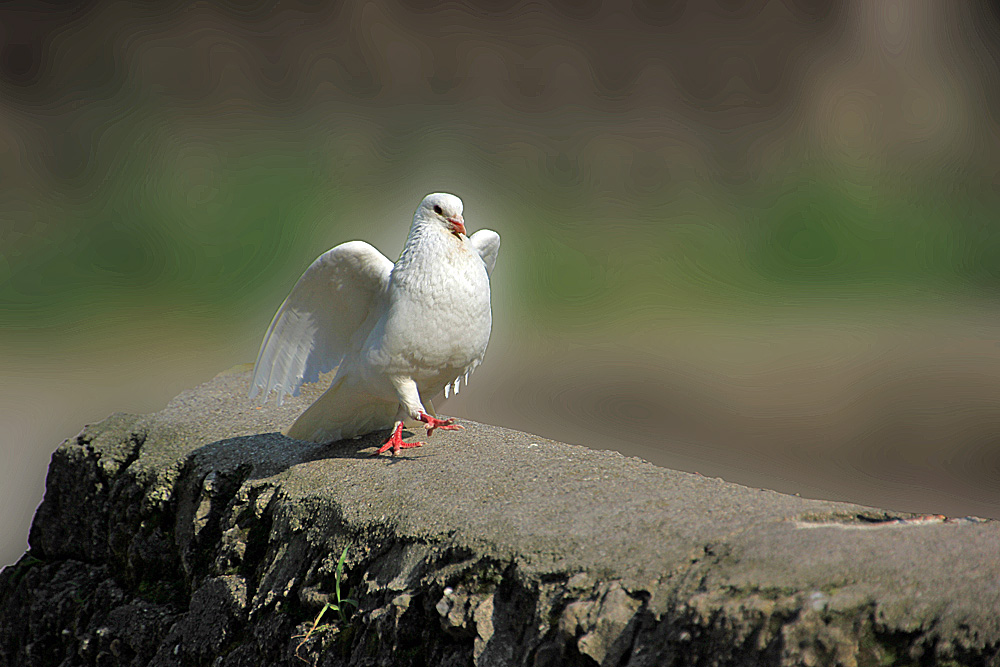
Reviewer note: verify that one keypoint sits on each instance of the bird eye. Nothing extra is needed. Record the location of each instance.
(437, 209)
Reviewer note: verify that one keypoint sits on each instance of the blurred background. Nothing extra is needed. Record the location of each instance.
(756, 240)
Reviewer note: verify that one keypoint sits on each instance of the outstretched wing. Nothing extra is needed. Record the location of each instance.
(336, 296)
(487, 243)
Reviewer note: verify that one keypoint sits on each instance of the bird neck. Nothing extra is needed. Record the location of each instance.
(426, 242)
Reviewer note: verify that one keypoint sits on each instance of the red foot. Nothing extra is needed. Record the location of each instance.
(443, 424)
(396, 442)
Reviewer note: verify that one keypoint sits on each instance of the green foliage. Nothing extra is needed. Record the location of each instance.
(811, 233)
(340, 606)
(163, 213)
(166, 222)
(813, 237)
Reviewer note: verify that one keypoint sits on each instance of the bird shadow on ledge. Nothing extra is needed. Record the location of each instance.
(363, 447)
(264, 455)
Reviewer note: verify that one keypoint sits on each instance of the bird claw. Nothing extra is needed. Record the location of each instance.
(443, 424)
(395, 442)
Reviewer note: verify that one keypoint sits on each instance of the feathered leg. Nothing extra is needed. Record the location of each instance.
(409, 399)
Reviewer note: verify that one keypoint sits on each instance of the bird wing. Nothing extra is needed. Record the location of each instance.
(487, 243)
(315, 325)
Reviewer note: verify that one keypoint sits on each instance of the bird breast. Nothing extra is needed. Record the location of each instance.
(438, 321)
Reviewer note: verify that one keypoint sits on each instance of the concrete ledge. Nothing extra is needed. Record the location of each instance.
(201, 536)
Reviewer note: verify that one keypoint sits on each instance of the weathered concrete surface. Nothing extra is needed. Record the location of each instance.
(201, 536)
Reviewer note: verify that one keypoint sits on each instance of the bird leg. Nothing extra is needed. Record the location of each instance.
(410, 404)
(396, 441)
(434, 422)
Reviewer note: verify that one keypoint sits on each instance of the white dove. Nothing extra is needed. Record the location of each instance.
(397, 334)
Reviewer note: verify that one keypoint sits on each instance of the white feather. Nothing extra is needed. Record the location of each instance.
(338, 294)
(487, 244)
(396, 333)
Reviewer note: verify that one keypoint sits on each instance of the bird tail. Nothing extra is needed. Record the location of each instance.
(342, 412)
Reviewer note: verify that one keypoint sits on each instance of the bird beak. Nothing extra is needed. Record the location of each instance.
(457, 224)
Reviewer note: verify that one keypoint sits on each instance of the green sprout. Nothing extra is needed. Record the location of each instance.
(340, 607)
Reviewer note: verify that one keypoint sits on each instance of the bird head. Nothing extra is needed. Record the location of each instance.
(445, 210)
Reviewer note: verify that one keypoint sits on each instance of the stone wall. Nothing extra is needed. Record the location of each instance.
(201, 536)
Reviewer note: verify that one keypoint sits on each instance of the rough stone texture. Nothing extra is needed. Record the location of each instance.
(201, 536)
